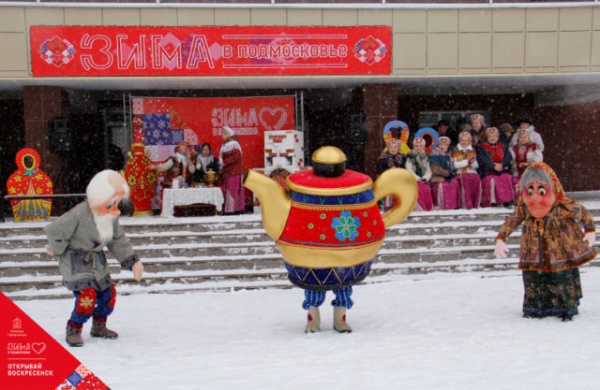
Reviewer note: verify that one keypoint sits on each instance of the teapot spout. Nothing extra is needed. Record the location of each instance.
(274, 201)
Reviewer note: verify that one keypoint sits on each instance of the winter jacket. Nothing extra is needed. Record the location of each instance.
(75, 242)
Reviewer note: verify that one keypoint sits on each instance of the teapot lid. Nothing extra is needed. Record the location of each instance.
(350, 182)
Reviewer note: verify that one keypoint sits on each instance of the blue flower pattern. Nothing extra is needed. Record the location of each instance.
(346, 226)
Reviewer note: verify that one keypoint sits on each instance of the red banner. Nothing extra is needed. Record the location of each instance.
(31, 359)
(161, 123)
(209, 51)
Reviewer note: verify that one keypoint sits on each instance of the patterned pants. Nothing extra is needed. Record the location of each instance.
(91, 302)
(317, 297)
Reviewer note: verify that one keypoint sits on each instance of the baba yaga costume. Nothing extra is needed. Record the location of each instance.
(445, 189)
(328, 227)
(232, 169)
(77, 240)
(557, 237)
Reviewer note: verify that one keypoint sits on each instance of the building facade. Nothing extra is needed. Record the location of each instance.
(501, 59)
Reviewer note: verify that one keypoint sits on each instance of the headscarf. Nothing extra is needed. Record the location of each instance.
(439, 157)
(438, 151)
(559, 192)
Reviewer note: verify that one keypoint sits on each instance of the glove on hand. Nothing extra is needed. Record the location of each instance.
(501, 249)
(138, 270)
(590, 237)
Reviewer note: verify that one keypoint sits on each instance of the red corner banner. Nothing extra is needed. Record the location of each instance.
(107, 51)
(32, 359)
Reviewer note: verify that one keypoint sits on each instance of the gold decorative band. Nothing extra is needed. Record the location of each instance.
(310, 257)
(333, 207)
(330, 191)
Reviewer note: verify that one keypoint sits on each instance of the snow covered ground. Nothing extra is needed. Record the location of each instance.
(436, 331)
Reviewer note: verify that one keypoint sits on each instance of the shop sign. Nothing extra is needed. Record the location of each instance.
(161, 123)
(108, 51)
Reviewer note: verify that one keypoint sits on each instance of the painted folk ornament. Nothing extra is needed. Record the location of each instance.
(141, 179)
(29, 180)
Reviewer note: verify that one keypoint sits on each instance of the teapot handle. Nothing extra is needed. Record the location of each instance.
(401, 185)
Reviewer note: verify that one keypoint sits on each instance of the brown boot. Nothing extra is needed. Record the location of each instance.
(74, 338)
(313, 322)
(339, 320)
(99, 329)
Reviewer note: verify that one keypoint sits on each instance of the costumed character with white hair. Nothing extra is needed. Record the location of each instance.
(77, 240)
(557, 237)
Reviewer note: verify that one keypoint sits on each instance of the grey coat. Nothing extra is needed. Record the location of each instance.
(75, 242)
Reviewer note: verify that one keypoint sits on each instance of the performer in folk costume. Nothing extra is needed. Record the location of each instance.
(232, 169)
(445, 188)
(205, 162)
(390, 158)
(181, 164)
(553, 244)
(523, 153)
(526, 123)
(495, 163)
(417, 162)
(465, 162)
(77, 240)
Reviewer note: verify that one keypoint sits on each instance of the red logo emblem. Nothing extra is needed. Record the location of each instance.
(57, 51)
(370, 50)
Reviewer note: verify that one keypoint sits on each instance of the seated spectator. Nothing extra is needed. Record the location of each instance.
(506, 133)
(465, 163)
(417, 162)
(526, 123)
(523, 154)
(445, 189)
(390, 158)
(477, 129)
(495, 163)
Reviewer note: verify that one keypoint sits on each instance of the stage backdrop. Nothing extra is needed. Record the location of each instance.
(161, 123)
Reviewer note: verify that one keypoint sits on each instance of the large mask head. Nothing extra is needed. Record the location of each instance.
(541, 189)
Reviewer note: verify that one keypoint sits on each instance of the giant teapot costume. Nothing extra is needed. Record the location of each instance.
(328, 226)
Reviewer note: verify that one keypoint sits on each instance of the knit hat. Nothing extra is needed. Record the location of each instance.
(444, 140)
(227, 130)
(491, 130)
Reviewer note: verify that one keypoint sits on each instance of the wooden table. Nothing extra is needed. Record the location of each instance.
(188, 196)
